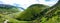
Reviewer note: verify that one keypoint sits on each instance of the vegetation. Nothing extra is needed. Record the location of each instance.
(36, 13)
(31, 13)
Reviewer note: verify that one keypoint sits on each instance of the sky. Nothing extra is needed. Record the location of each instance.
(26, 3)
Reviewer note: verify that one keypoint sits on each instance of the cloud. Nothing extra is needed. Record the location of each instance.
(26, 3)
(50, 3)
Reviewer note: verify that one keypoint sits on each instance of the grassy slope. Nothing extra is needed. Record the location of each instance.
(51, 19)
(31, 12)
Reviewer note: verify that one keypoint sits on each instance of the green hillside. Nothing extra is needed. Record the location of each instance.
(31, 13)
(36, 13)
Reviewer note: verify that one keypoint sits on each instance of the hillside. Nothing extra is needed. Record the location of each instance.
(36, 13)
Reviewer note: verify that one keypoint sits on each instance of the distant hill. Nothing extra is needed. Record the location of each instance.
(7, 6)
(8, 9)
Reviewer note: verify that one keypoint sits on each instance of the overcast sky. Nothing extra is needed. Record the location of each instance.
(26, 3)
